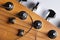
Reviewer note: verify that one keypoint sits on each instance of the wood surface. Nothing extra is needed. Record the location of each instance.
(9, 31)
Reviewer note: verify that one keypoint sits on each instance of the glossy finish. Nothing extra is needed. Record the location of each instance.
(9, 31)
(35, 7)
(11, 20)
(22, 15)
(20, 32)
(51, 14)
(8, 6)
(37, 24)
(52, 34)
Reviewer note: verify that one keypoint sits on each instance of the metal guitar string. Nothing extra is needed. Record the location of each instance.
(31, 25)
(15, 16)
(21, 25)
(36, 34)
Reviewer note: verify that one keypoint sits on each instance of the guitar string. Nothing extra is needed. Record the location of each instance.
(29, 30)
(15, 16)
(29, 37)
(36, 35)
(31, 27)
(9, 31)
(35, 38)
(13, 33)
(19, 24)
(24, 26)
(2, 24)
(11, 26)
(6, 25)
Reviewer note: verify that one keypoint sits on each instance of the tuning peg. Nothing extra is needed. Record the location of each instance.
(11, 20)
(20, 32)
(22, 0)
(51, 14)
(52, 34)
(32, 5)
(35, 7)
(8, 6)
(22, 15)
(37, 24)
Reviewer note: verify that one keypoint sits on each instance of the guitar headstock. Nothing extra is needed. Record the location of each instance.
(17, 22)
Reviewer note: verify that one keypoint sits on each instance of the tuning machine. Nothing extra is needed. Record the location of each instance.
(35, 7)
(52, 34)
(37, 24)
(22, 15)
(51, 14)
(20, 32)
(11, 20)
(8, 6)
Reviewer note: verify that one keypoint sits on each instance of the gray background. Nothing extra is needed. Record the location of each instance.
(47, 4)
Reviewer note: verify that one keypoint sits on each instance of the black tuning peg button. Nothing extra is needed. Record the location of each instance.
(35, 7)
(51, 14)
(11, 20)
(22, 0)
(20, 32)
(8, 6)
(52, 34)
(22, 15)
(37, 24)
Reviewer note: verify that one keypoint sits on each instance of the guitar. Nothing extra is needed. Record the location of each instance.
(17, 22)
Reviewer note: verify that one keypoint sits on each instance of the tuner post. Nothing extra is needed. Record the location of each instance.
(37, 24)
(52, 34)
(11, 20)
(20, 32)
(22, 15)
(8, 6)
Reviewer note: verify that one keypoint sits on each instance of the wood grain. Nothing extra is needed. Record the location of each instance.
(41, 34)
